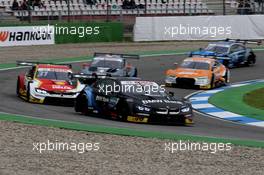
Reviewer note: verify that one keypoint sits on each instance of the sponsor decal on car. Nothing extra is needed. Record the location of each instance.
(101, 98)
(61, 87)
(160, 101)
(137, 119)
(54, 70)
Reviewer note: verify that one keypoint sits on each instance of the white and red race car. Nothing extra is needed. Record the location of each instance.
(48, 83)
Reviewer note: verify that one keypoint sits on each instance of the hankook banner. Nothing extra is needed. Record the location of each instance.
(26, 35)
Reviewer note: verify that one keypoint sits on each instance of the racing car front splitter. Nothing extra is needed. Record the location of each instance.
(181, 119)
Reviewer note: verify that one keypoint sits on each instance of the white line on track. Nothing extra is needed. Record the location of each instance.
(224, 114)
(199, 98)
(259, 124)
(201, 106)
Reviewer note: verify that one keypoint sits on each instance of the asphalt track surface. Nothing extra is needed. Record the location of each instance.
(150, 68)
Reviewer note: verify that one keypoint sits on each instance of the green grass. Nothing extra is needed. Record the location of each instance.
(125, 132)
(255, 98)
(232, 100)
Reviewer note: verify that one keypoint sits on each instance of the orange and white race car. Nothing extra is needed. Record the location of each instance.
(201, 72)
(48, 83)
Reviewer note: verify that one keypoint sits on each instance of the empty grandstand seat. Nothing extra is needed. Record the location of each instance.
(79, 7)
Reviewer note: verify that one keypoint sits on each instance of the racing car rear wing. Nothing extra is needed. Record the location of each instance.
(258, 42)
(88, 78)
(126, 56)
(33, 63)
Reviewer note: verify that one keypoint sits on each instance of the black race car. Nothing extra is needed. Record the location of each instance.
(133, 100)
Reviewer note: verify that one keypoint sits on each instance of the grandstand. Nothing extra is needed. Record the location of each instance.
(80, 8)
(84, 8)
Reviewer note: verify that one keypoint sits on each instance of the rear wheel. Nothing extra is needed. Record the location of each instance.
(28, 92)
(251, 59)
(81, 104)
(212, 84)
(227, 76)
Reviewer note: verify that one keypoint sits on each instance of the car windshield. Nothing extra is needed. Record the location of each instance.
(114, 64)
(216, 48)
(143, 88)
(195, 65)
(52, 75)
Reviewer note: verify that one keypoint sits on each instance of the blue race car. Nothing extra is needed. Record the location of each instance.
(231, 53)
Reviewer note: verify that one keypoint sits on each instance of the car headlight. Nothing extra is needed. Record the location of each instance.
(41, 91)
(143, 108)
(185, 109)
(202, 80)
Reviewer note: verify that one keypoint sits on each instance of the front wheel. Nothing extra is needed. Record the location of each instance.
(81, 104)
(227, 77)
(212, 84)
(226, 63)
(28, 92)
(123, 110)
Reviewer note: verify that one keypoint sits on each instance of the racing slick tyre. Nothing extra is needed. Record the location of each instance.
(227, 77)
(18, 87)
(212, 83)
(123, 109)
(226, 63)
(81, 104)
(251, 59)
(28, 92)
